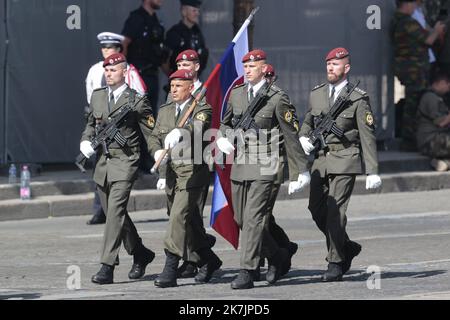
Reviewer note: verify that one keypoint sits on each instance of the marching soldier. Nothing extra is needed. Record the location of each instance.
(335, 168)
(187, 60)
(255, 169)
(115, 172)
(277, 232)
(110, 43)
(186, 181)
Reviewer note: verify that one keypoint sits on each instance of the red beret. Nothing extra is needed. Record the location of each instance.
(182, 75)
(270, 72)
(114, 59)
(338, 53)
(254, 55)
(189, 55)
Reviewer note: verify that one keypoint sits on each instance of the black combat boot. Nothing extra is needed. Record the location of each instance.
(187, 270)
(244, 280)
(141, 259)
(105, 275)
(168, 278)
(351, 249)
(292, 249)
(333, 274)
(211, 264)
(277, 264)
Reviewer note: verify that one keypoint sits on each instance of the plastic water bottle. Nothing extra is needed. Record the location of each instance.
(12, 176)
(25, 189)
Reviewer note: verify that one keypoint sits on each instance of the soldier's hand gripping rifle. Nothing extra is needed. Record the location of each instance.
(326, 124)
(108, 134)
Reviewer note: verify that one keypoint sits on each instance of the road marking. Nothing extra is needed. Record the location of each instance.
(100, 235)
(79, 295)
(402, 216)
(418, 262)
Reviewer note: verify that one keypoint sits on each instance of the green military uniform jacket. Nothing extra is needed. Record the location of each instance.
(183, 173)
(356, 152)
(123, 163)
(432, 111)
(276, 113)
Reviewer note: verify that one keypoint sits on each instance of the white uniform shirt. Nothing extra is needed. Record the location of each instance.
(95, 80)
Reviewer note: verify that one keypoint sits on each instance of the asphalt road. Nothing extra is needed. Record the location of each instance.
(405, 236)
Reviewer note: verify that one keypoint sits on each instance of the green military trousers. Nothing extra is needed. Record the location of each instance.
(114, 197)
(274, 229)
(251, 201)
(186, 234)
(328, 201)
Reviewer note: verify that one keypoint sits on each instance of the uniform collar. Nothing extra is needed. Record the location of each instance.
(256, 87)
(197, 84)
(118, 92)
(337, 89)
(180, 107)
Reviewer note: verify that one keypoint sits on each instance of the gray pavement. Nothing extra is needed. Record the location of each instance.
(406, 235)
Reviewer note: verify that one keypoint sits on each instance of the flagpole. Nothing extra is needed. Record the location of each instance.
(202, 93)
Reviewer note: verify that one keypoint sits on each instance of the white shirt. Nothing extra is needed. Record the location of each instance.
(256, 87)
(197, 84)
(95, 80)
(118, 92)
(180, 107)
(337, 89)
(419, 16)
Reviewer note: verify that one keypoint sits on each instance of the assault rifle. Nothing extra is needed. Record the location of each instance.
(107, 134)
(326, 124)
(246, 121)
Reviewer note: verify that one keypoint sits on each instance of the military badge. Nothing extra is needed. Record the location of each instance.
(151, 121)
(288, 116)
(201, 116)
(369, 118)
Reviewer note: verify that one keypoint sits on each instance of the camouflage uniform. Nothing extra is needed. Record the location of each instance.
(433, 140)
(411, 67)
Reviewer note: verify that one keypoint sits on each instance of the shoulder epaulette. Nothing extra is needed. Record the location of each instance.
(99, 89)
(165, 105)
(240, 85)
(360, 91)
(319, 86)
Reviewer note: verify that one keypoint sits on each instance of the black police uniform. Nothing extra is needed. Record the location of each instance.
(180, 38)
(146, 51)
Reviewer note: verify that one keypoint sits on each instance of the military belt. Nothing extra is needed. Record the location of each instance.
(334, 147)
(127, 151)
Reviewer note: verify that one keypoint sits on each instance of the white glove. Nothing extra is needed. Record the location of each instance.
(172, 139)
(373, 182)
(161, 184)
(158, 154)
(225, 146)
(86, 149)
(303, 180)
(307, 146)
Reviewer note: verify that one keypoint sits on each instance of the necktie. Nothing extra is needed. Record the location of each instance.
(251, 96)
(178, 111)
(333, 91)
(111, 101)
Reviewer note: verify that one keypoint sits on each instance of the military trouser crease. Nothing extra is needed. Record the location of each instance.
(119, 226)
(329, 198)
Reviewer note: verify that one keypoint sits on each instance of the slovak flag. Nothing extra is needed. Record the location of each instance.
(227, 74)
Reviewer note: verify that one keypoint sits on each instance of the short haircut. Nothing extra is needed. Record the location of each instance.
(440, 75)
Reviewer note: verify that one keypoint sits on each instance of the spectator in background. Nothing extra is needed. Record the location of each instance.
(110, 43)
(412, 63)
(419, 16)
(187, 35)
(433, 134)
(143, 46)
